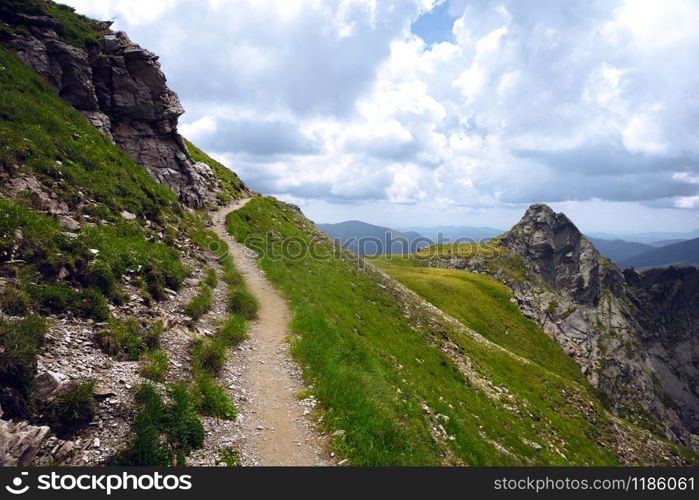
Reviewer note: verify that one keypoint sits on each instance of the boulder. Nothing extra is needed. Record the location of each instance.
(20, 442)
(47, 384)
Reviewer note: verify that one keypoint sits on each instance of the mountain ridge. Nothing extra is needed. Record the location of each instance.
(684, 253)
(126, 300)
(599, 315)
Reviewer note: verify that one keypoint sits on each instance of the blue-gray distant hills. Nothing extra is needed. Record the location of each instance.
(362, 238)
(456, 234)
(620, 250)
(685, 253)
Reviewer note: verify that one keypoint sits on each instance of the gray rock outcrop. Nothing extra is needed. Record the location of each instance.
(20, 442)
(635, 336)
(119, 87)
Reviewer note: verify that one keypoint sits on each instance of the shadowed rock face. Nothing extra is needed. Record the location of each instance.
(119, 87)
(561, 255)
(635, 336)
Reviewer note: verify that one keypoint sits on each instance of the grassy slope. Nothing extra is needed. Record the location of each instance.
(43, 135)
(230, 185)
(483, 305)
(374, 369)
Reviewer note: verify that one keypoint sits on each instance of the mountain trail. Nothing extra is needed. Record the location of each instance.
(274, 422)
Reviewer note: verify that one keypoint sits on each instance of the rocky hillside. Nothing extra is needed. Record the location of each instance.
(109, 277)
(625, 330)
(120, 307)
(117, 85)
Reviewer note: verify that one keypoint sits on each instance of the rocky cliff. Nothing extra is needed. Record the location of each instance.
(562, 256)
(119, 87)
(635, 336)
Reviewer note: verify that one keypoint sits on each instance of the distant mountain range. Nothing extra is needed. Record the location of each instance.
(455, 234)
(685, 253)
(654, 238)
(618, 250)
(362, 238)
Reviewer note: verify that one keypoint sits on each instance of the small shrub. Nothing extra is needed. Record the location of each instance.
(200, 304)
(155, 365)
(229, 457)
(164, 433)
(92, 304)
(52, 298)
(99, 275)
(208, 356)
(72, 409)
(185, 430)
(56, 298)
(211, 278)
(14, 302)
(20, 340)
(213, 399)
(129, 339)
(241, 301)
(233, 331)
(232, 277)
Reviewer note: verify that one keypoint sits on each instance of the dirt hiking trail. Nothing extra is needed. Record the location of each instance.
(273, 419)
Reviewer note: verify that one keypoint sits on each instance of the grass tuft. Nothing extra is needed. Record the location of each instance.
(155, 365)
(72, 409)
(14, 302)
(233, 331)
(164, 432)
(208, 355)
(129, 339)
(242, 302)
(200, 304)
(213, 399)
(211, 278)
(229, 457)
(20, 340)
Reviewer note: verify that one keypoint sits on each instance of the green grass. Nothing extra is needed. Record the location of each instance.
(14, 302)
(213, 400)
(77, 30)
(200, 304)
(57, 298)
(229, 184)
(72, 408)
(483, 305)
(20, 341)
(124, 247)
(233, 330)
(242, 302)
(155, 365)
(43, 135)
(372, 368)
(208, 355)
(499, 261)
(165, 432)
(229, 457)
(211, 278)
(129, 339)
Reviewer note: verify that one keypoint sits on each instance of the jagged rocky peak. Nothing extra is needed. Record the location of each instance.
(119, 87)
(561, 255)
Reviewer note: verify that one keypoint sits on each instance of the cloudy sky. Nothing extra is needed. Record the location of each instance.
(432, 112)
